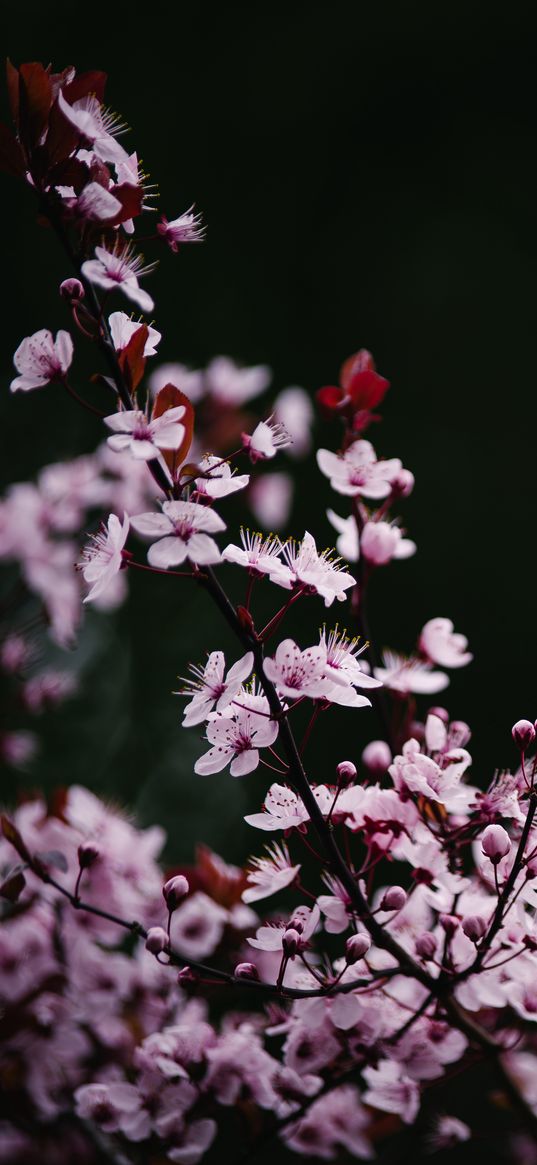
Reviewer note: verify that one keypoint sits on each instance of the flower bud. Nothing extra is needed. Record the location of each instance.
(156, 940)
(426, 946)
(88, 853)
(246, 971)
(460, 734)
(449, 923)
(296, 924)
(442, 714)
(290, 942)
(346, 773)
(186, 975)
(523, 733)
(404, 483)
(495, 843)
(174, 890)
(72, 290)
(377, 757)
(474, 927)
(356, 947)
(394, 898)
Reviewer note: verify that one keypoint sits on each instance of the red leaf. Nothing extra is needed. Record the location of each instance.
(131, 198)
(35, 96)
(12, 81)
(361, 361)
(170, 397)
(131, 359)
(11, 155)
(85, 84)
(62, 137)
(13, 886)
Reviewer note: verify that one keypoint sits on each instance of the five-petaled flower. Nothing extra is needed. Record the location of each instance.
(211, 688)
(236, 739)
(182, 531)
(188, 228)
(102, 558)
(40, 359)
(145, 438)
(357, 473)
(120, 268)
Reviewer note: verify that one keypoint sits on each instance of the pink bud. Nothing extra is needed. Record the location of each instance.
(377, 757)
(459, 734)
(495, 843)
(404, 483)
(174, 890)
(346, 772)
(290, 942)
(156, 940)
(246, 971)
(72, 290)
(442, 714)
(186, 975)
(474, 927)
(394, 898)
(426, 946)
(523, 734)
(449, 923)
(356, 947)
(88, 853)
(296, 924)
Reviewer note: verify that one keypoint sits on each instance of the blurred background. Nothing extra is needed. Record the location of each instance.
(368, 178)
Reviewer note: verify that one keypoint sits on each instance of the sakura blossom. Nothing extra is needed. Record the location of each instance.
(267, 875)
(297, 673)
(40, 360)
(259, 554)
(357, 473)
(123, 328)
(212, 688)
(439, 643)
(294, 410)
(302, 565)
(266, 439)
(283, 809)
(389, 1090)
(348, 542)
(407, 674)
(119, 269)
(96, 125)
(382, 541)
(142, 438)
(236, 739)
(271, 498)
(198, 926)
(182, 531)
(102, 557)
(234, 385)
(218, 479)
(187, 228)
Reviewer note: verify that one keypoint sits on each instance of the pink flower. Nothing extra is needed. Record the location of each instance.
(381, 541)
(271, 498)
(391, 1091)
(342, 666)
(447, 1132)
(238, 738)
(182, 531)
(94, 203)
(233, 385)
(293, 407)
(266, 439)
(108, 1105)
(283, 809)
(357, 472)
(317, 573)
(102, 558)
(119, 268)
(258, 555)
(188, 380)
(210, 689)
(198, 926)
(142, 438)
(48, 689)
(187, 228)
(268, 875)
(297, 673)
(123, 328)
(347, 544)
(270, 938)
(408, 674)
(336, 1121)
(40, 359)
(97, 126)
(190, 1145)
(439, 643)
(495, 843)
(219, 480)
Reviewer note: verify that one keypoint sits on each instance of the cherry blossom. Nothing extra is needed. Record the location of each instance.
(271, 498)
(182, 531)
(270, 938)
(294, 410)
(259, 554)
(236, 739)
(391, 1091)
(302, 565)
(120, 268)
(406, 674)
(123, 328)
(342, 666)
(382, 541)
(232, 385)
(40, 359)
(266, 439)
(297, 673)
(198, 926)
(187, 228)
(211, 688)
(283, 809)
(102, 558)
(142, 438)
(268, 875)
(439, 643)
(218, 480)
(96, 125)
(357, 472)
(348, 543)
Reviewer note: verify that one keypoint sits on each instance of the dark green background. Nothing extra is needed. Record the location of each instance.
(369, 179)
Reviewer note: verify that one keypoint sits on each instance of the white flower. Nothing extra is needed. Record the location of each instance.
(348, 543)
(181, 531)
(123, 328)
(285, 810)
(295, 672)
(268, 875)
(39, 359)
(236, 739)
(210, 689)
(187, 228)
(121, 269)
(198, 926)
(408, 674)
(293, 407)
(441, 644)
(318, 573)
(343, 669)
(266, 439)
(232, 385)
(221, 480)
(142, 438)
(103, 556)
(97, 126)
(357, 472)
(382, 541)
(258, 555)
